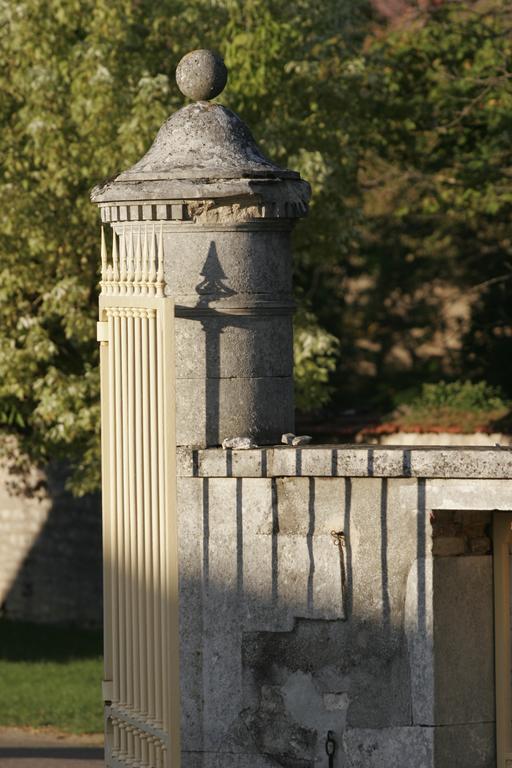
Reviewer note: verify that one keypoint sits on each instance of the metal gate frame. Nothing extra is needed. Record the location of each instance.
(140, 550)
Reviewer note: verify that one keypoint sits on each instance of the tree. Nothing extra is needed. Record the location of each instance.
(403, 130)
(84, 86)
(426, 289)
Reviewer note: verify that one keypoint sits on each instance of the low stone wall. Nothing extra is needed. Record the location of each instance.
(343, 589)
(313, 600)
(50, 553)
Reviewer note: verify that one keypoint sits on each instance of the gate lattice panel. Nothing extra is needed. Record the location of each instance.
(135, 331)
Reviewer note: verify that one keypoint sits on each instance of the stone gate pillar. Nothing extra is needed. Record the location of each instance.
(224, 213)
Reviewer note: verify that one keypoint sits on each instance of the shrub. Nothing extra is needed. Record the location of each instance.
(461, 406)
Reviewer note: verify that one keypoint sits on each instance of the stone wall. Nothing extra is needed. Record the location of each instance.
(342, 589)
(312, 600)
(50, 553)
(461, 533)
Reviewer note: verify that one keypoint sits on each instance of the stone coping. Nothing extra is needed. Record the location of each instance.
(347, 461)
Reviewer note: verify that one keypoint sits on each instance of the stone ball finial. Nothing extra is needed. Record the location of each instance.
(201, 75)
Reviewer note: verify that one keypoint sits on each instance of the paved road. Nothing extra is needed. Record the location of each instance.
(28, 749)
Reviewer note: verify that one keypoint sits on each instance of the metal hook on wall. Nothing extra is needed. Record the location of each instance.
(330, 748)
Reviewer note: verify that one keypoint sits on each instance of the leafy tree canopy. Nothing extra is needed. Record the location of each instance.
(404, 135)
(84, 85)
(426, 291)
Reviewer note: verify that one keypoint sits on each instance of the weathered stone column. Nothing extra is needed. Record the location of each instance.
(225, 213)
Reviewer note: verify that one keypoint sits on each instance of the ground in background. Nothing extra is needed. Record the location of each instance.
(50, 677)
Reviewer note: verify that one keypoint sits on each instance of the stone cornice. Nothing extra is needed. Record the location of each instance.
(348, 461)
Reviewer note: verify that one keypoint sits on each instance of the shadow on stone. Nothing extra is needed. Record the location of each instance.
(59, 579)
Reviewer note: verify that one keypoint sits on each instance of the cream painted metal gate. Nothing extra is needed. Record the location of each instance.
(136, 335)
(502, 538)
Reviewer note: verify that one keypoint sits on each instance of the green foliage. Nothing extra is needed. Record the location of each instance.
(84, 88)
(429, 279)
(458, 405)
(315, 354)
(403, 133)
(51, 677)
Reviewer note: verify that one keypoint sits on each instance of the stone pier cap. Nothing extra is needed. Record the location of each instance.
(203, 151)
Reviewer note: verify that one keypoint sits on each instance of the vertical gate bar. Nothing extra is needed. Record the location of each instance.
(115, 744)
(127, 528)
(107, 510)
(148, 525)
(133, 586)
(140, 628)
(152, 753)
(120, 508)
(155, 553)
(162, 522)
(501, 564)
(113, 625)
(172, 725)
(143, 464)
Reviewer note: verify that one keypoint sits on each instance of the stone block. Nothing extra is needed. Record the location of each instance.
(420, 640)
(229, 346)
(481, 545)
(201, 265)
(463, 640)
(382, 538)
(474, 530)
(294, 498)
(310, 505)
(212, 463)
(476, 463)
(364, 461)
(318, 462)
(221, 603)
(184, 461)
(250, 463)
(257, 549)
(410, 747)
(450, 530)
(255, 499)
(284, 461)
(387, 463)
(352, 462)
(469, 494)
(470, 517)
(213, 409)
(330, 498)
(465, 746)
(381, 546)
(191, 492)
(447, 546)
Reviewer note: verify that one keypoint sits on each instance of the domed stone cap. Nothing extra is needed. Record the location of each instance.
(204, 141)
(201, 147)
